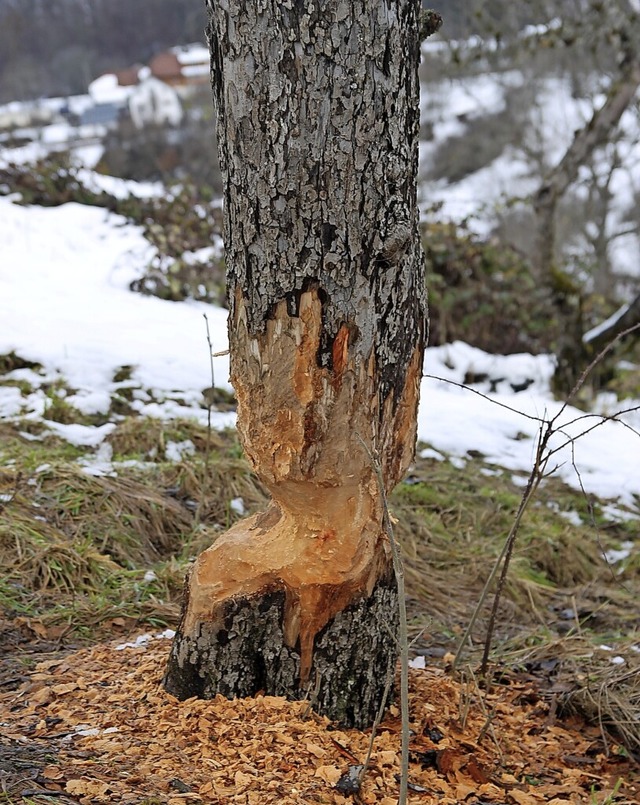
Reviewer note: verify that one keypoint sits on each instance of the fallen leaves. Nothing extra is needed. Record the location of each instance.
(120, 738)
(87, 790)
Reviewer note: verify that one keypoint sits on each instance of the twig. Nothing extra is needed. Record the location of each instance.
(548, 428)
(535, 476)
(464, 702)
(311, 696)
(504, 558)
(485, 397)
(489, 717)
(376, 723)
(404, 632)
(213, 383)
(596, 528)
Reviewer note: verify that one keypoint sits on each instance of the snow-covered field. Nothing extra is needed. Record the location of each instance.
(65, 304)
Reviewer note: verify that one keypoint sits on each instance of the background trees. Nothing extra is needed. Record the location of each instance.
(57, 48)
(577, 230)
(559, 143)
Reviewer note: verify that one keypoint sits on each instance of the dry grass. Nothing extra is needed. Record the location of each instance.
(77, 549)
(610, 696)
(598, 681)
(84, 549)
(452, 525)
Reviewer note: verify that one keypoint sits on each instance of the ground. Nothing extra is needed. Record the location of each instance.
(92, 561)
(96, 726)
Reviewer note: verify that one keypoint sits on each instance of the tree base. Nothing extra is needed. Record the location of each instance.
(244, 653)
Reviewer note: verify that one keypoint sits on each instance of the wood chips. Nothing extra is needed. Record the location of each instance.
(115, 736)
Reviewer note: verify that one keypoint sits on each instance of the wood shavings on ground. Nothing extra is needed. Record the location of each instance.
(107, 732)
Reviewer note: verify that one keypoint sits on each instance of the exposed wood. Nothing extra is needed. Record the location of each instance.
(318, 123)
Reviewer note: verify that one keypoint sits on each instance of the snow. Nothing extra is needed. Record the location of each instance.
(11, 401)
(196, 70)
(105, 89)
(178, 451)
(572, 516)
(65, 303)
(194, 53)
(619, 555)
(429, 452)
(143, 639)
(120, 188)
(81, 435)
(586, 451)
(237, 505)
(605, 325)
(549, 125)
(99, 464)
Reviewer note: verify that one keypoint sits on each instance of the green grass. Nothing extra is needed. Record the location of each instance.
(76, 547)
(83, 556)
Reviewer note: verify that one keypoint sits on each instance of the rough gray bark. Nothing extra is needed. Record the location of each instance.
(318, 121)
(317, 139)
(245, 652)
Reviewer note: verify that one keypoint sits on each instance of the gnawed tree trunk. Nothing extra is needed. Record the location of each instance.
(317, 129)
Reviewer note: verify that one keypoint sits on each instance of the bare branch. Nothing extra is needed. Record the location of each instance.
(534, 418)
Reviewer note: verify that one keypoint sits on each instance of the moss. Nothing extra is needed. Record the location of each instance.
(123, 374)
(23, 386)
(11, 361)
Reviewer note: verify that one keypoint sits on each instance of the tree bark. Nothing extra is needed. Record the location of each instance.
(318, 121)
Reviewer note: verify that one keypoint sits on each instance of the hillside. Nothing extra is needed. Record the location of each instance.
(119, 463)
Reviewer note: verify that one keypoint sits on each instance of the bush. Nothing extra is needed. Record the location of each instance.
(483, 292)
(184, 219)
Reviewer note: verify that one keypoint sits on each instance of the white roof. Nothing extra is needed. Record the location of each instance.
(195, 70)
(105, 89)
(195, 53)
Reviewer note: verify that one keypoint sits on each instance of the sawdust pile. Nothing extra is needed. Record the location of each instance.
(113, 735)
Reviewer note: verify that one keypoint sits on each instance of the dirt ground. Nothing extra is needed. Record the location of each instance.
(93, 725)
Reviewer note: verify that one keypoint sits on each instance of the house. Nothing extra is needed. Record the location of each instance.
(107, 89)
(19, 114)
(102, 114)
(154, 102)
(184, 67)
(130, 76)
(151, 94)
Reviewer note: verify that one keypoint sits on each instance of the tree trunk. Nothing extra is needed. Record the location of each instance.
(317, 128)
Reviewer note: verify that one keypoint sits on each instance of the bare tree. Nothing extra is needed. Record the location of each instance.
(596, 132)
(318, 120)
